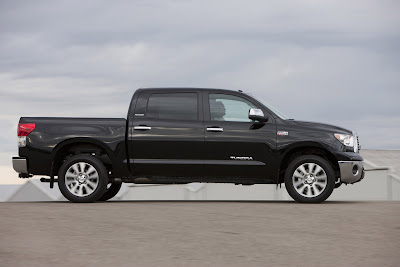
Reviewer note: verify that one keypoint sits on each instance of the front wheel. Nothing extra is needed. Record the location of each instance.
(309, 179)
(82, 178)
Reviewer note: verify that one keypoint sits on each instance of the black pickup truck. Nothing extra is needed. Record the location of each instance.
(184, 135)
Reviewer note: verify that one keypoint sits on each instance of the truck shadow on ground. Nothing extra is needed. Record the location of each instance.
(291, 202)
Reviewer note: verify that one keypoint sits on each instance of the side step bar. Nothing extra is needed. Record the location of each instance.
(119, 180)
(47, 180)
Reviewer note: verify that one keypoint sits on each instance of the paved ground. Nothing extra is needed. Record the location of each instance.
(172, 233)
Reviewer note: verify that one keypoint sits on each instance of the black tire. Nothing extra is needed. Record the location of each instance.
(86, 177)
(111, 191)
(312, 187)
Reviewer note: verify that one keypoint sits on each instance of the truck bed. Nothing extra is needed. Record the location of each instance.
(53, 133)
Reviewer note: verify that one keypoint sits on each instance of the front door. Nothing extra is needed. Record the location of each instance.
(168, 134)
(235, 145)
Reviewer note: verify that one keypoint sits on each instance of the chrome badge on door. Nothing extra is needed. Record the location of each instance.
(241, 158)
(282, 133)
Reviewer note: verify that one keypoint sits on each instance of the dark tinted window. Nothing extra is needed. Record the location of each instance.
(173, 106)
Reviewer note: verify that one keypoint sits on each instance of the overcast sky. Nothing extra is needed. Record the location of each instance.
(328, 61)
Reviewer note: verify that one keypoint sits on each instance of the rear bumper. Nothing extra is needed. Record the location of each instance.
(20, 165)
(351, 171)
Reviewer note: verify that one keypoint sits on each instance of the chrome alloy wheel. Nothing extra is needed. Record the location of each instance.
(309, 180)
(81, 179)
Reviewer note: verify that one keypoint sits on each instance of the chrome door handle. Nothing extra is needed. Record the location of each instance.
(142, 128)
(215, 129)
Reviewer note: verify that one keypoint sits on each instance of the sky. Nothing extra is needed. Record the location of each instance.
(336, 62)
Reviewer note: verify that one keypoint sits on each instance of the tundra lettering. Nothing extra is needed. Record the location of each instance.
(241, 158)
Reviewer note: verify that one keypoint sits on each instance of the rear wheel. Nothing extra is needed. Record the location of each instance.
(82, 178)
(309, 179)
(112, 191)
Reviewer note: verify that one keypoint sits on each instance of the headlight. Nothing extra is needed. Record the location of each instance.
(345, 139)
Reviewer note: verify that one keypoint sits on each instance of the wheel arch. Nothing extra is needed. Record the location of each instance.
(308, 148)
(75, 146)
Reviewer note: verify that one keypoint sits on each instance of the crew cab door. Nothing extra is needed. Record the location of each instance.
(235, 146)
(167, 134)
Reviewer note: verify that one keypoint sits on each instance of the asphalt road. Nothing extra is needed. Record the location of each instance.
(173, 233)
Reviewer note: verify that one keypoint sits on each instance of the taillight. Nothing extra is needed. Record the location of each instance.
(25, 128)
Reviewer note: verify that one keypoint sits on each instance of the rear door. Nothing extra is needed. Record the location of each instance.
(168, 134)
(235, 146)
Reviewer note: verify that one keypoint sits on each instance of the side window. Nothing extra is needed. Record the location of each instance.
(229, 108)
(172, 106)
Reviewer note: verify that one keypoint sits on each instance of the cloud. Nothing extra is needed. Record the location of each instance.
(327, 61)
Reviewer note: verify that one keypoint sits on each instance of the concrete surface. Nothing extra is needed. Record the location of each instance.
(214, 233)
(383, 158)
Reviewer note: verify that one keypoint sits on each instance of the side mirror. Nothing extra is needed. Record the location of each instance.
(256, 114)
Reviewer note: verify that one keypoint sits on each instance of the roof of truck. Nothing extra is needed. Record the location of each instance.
(186, 88)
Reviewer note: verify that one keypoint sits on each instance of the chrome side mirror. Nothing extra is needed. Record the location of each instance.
(256, 114)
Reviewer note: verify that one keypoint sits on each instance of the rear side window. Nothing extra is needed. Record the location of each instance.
(172, 106)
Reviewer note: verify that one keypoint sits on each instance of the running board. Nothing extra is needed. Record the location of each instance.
(149, 181)
(47, 180)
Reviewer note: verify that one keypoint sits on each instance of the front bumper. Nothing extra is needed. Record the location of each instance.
(351, 171)
(20, 165)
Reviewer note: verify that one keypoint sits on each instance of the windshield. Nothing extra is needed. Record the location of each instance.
(273, 109)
